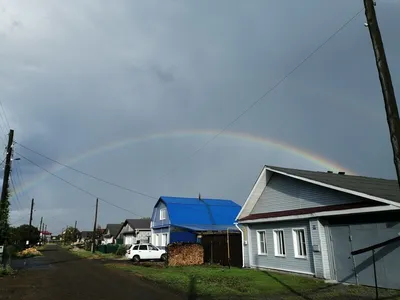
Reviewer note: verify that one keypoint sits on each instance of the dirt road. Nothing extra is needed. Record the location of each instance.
(61, 275)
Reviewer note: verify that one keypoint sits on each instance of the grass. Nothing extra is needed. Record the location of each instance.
(6, 271)
(217, 282)
(89, 255)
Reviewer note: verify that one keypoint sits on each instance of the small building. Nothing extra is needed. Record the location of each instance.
(133, 231)
(311, 222)
(110, 233)
(179, 219)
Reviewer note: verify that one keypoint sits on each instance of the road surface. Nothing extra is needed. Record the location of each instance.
(61, 275)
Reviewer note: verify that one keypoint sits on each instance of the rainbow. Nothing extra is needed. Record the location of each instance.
(236, 136)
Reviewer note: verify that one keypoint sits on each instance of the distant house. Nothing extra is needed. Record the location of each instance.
(133, 231)
(84, 236)
(310, 222)
(110, 233)
(178, 219)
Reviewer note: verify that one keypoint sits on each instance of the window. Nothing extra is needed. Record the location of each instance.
(299, 241)
(143, 247)
(163, 213)
(135, 248)
(151, 247)
(279, 242)
(261, 242)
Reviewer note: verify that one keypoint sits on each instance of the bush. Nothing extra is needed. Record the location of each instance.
(121, 251)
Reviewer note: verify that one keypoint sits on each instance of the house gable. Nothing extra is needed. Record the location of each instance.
(288, 191)
(125, 228)
(155, 219)
(255, 193)
(284, 193)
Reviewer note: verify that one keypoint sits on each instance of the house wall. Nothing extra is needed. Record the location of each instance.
(245, 245)
(289, 262)
(144, 236)
(285, 193)
(180, 235)
(319, 249)
(155, 221)
(156, 236)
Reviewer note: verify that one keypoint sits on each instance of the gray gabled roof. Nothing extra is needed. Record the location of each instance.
(138, 223)
(378, 187)
(114, 228)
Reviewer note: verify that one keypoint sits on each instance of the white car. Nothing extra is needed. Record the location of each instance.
(140, 252)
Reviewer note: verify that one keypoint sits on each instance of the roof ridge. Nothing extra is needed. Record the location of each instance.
(331, 174)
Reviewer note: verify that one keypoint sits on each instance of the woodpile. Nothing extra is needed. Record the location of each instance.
(185, 254)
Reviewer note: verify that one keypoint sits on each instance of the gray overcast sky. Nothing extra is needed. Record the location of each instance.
(80, 77)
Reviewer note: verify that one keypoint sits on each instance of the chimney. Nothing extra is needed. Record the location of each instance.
(341, 173)
(199, 197)
(330, 172)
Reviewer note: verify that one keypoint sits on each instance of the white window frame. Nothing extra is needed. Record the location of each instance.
(276, 244)
(163, 213)
(297, 245)
(259, 232)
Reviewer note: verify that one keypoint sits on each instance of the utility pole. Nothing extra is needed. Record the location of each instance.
(389, 98)
(7, 170)
(94, 226)
(30, 221)
(75, 235)
(40, 230)
(45, 230)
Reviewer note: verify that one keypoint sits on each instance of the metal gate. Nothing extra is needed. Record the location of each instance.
(359, 269)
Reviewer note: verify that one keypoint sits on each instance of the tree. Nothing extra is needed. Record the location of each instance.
(19, 235)
(71, 235)
(4, 218)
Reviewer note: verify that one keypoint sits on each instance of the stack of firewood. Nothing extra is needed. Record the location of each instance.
(185, 254)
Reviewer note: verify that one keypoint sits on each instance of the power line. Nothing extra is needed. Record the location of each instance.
(77, 187)
(15, 193)
(89, 175)
(5, 116)
(268, 91)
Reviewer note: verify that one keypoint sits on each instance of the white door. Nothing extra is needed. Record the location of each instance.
(164, 239)
(154, 253)
(143, 252)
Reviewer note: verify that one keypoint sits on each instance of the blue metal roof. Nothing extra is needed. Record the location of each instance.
(193, 212)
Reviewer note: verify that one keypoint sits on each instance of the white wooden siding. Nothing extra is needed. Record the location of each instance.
(289, 262)
(285, 193)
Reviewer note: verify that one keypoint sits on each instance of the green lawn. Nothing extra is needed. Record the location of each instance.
(222, 282)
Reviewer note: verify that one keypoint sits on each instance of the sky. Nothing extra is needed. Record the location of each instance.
(127, 91)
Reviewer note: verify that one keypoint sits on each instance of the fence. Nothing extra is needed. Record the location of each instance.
(221, 250)
(372, 249)
(110, 248)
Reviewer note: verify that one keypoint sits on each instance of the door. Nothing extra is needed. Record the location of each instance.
(154, 253)
(143, 252)
(341, 247)
(164, 239)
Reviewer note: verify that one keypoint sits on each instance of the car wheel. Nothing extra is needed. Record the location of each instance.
(164, 257)
(136, 258)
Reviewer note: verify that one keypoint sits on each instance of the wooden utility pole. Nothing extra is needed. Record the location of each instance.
(94, 226)
(389, 98)
(75, 235)
(30, 221)
(7, 170)
(45, 230)
(40, 230)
